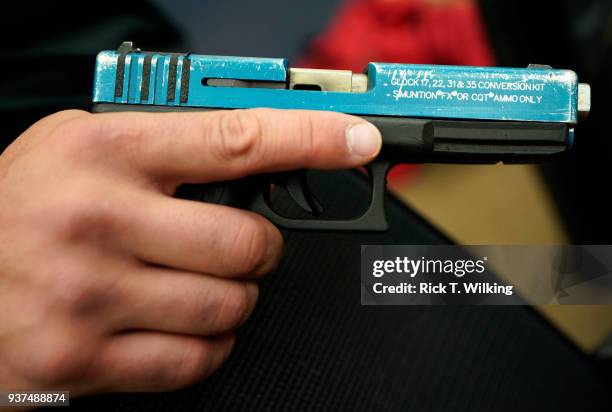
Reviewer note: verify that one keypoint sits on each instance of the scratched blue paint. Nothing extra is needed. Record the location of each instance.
(161, 89)
(536, 94)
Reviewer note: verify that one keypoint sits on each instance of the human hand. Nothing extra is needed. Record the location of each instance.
(107, 282)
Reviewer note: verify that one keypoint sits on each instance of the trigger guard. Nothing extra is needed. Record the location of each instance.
(373, 220)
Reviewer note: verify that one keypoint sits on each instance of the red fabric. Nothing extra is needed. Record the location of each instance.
(401, 31)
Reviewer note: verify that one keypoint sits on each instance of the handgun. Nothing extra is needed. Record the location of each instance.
(425, 113)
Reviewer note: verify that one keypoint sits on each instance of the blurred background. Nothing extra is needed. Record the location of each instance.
(48, 54)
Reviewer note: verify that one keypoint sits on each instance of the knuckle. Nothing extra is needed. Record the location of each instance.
(250, 247)
(64, 116)
(77, 218)
(75, 139)
(74, 130)
(59, 367)
(239, 134)
(61, 361)
(75, 292)
(92, 137)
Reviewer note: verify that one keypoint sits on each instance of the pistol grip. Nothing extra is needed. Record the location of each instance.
(372, 220)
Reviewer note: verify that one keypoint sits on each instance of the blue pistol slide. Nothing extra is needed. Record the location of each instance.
(426, 114)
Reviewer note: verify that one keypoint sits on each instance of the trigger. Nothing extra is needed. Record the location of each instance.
(297, 187)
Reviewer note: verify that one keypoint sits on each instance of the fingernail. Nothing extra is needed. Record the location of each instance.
(364, 139)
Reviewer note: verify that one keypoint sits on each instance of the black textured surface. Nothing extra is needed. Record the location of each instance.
(311, 346)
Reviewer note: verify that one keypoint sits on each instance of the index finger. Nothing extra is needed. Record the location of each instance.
(199, 147)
